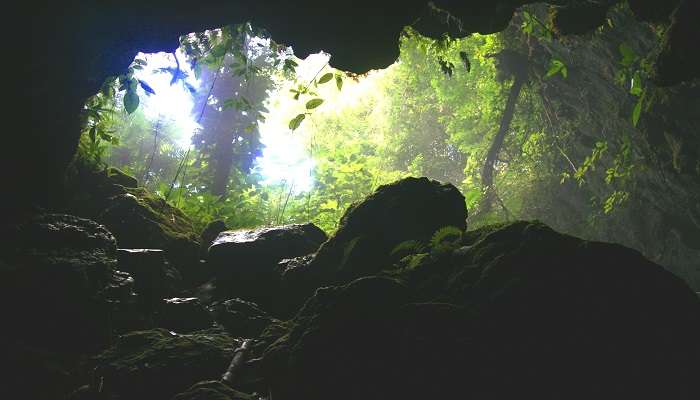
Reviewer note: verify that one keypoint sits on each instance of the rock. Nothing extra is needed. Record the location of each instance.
(209, 234)
(213, 390)
(155, 279)
(341, 334)
(118, 177)
(516, 303)
(245, 261)
(157, 364)
(409, 209)
(139, 219)
(37, 373)
(183, 315)
(241, 318)
(56, 269)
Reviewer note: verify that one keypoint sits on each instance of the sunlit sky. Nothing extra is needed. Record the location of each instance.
(170, 103)
(285, 157)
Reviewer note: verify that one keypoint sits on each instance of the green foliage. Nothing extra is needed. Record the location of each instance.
(407, 248)
(445, 239)
(556, 67)
(571, 157)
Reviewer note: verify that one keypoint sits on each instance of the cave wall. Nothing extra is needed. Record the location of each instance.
(75, 45)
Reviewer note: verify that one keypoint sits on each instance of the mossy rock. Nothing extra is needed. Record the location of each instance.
(55, 269)
(140, 219)
(408, 209)
(157, 364)
(119, 177)
(213, 390)
(488, 320)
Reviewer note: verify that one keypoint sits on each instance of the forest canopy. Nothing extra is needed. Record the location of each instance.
(526, 123)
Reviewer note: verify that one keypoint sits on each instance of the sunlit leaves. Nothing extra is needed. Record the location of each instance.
(290, 66)
(131, 101)
(313, 103)
(325, 78)
(296, 121)
(146, 87)
(339, 81)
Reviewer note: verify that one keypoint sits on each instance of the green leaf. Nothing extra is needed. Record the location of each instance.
(339, 81)
(555, 67)
(311, 104)
(131, 101)
(325, 78)
(628, 55)
(93, 130)
(296, 121)
(636, 85)
(637, 112)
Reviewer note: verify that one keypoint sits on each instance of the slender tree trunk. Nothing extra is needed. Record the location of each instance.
(223, 163)
(497, 143)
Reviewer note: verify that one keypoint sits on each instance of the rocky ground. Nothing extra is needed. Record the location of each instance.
(123, 300)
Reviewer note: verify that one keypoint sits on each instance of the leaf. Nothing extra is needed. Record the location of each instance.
(637, 112)
(628, 55)
(339, 81)
(325, 78)
(131, 101)
(636, 85)
(311, 104)
(93, 130)
(146, 87)
(555, 67)
(296, 121)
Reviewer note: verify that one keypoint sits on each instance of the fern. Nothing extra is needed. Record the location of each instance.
(406, 248)
(445, 239)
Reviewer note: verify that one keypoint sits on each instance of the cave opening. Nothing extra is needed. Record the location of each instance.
(365, 201)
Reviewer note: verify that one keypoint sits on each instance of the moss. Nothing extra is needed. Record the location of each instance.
(121, 178)
(158, 364)
(213, 390)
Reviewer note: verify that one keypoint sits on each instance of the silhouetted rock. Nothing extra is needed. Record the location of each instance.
(55, 272)
(119, 177)
(154, 278)
(409, 209)
(140, 219)
(209, 234)
(183, 315)
(241, 318)
(157, 364)
(213, 390)
(520, 311)
(245, 261)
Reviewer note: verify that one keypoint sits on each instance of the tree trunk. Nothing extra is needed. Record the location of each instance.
(497, 143)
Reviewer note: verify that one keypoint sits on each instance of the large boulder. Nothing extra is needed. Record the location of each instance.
(154, 277)
(409, 209)
(60, 298)
(183, 315)
(56, 272)
(241, 318)
(140, 219)
(244, 262)
(213, 390)
(158, 364)
(518, 311)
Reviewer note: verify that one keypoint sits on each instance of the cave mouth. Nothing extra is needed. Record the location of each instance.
(527, 123)
(228, 88)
